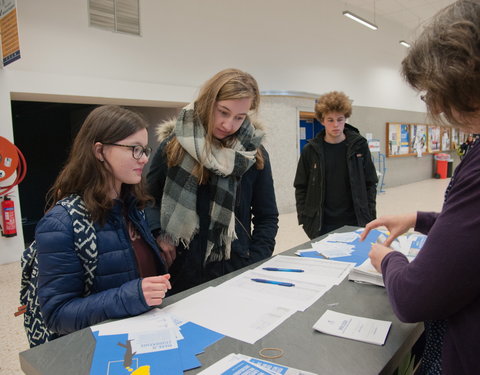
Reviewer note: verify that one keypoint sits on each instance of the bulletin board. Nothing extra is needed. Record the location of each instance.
(433, 144)
(407, 139)
(455, 138)
(418, 138)
(445, 139)
(398, 139)
(462, 137)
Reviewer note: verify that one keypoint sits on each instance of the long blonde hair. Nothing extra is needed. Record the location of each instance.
(227, 84)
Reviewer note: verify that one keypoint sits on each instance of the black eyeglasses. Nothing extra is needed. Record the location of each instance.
(137, 150)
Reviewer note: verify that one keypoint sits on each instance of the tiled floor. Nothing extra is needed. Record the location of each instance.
(424, 196)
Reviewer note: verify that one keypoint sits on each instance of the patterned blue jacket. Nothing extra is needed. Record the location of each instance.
(117, 289)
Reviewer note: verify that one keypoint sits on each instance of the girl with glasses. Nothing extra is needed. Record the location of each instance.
(104, 170)
(215, 209)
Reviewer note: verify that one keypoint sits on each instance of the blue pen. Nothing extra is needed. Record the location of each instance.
(282, 269)
(281, 283)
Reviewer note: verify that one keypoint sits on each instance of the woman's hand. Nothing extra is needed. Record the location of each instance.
(376, 254)
(169, 251)
(155, 288)
(396, 225)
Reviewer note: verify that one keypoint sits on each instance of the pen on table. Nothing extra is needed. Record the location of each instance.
(281, 283)
(282, 269)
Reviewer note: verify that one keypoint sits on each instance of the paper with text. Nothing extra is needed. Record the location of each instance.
(217, 308)
(353, 327)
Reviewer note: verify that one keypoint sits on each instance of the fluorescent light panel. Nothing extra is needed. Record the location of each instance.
(360, 20)
(405, 44)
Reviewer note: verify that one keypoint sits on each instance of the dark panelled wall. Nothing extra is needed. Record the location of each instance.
(43, 132)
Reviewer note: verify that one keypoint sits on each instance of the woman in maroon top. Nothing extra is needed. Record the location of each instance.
(441, 286)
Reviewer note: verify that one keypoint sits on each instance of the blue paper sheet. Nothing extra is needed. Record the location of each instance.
(359, 254)
(112, 359)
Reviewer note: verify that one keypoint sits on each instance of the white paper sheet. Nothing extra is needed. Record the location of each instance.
(239, 317)
(154, 319)
(152, 331)
(153, 341)
(353, 327)
(333, 249)
(299, 297)
(320, 271)
(342, 237)
(366, 273)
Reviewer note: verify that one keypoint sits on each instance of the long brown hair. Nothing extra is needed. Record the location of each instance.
(445, 62)
(85, 175)
(227, 84)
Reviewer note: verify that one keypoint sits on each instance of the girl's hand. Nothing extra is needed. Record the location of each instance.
(155, 288)
(169, 251)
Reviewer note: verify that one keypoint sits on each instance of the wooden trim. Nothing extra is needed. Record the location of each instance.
(306, 115)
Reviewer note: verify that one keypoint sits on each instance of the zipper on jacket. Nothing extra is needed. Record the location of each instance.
(246, 231)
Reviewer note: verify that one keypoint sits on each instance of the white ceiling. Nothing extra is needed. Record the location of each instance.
(408, 13)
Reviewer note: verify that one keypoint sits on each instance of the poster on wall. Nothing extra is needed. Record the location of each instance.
(398, 139)
(462, 137)
(455, 138)
(433, 144)
(9, 32)
(418, 139)
(445, 136)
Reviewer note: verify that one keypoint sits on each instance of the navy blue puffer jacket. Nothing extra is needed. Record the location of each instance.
(117, 291)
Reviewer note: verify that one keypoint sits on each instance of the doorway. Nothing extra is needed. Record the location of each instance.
(309, 128)
(44, 131)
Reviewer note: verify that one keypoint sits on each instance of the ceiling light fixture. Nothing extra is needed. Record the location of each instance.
(360, 20)
(405, 44)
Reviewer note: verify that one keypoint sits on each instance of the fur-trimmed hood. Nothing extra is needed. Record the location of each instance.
(166, 128)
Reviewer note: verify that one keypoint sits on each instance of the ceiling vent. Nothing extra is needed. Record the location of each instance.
(115, 15)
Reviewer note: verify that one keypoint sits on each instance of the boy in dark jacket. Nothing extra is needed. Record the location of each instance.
(336, 181)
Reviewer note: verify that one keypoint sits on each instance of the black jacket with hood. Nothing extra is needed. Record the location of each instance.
(310, 181)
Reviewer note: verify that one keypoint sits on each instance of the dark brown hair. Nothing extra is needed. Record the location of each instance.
(85, 175)
(445, 63)
(227, 84)
(334, 101)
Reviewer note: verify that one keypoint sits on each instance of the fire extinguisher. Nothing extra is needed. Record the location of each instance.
(8, 216)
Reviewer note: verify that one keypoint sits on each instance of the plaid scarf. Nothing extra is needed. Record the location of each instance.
(178, 216)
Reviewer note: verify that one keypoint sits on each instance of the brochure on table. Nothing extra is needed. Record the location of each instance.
(235, 364)
(353, 327)
(151, 343)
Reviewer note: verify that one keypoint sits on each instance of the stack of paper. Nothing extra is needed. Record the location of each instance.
(366, 273)
(242, 364)
(330, 249)
(154, 341)
(408, 244)
(353, 327)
